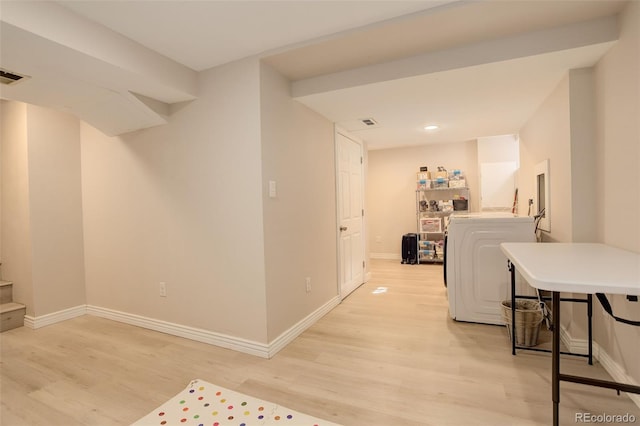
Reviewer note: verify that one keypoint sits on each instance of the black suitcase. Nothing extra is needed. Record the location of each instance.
(410, 249)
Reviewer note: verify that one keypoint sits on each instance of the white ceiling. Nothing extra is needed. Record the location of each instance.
(476, 68)
(203, 34)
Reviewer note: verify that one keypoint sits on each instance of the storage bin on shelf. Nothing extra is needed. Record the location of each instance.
(440, 182)
(430, 224)
(459, 183)
(457, 180)
(445, 206)
(460, 205)
(528, 319)
(424, 184)
(427, 254)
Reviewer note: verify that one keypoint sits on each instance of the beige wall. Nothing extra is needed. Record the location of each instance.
(617, 78)
(102, 220)
(547, 135)
(55, 210)
(391, 185)
(583, 155)
(16, 230)
(42, 208)
(300, 222)
(2, 125)
(618, 137)
(182, 204)
(563, 130)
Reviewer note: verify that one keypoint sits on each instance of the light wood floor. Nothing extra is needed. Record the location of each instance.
(394, 358)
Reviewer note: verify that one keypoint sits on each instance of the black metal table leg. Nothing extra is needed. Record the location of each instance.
(512, 268)
(555, 369)
(590, 326)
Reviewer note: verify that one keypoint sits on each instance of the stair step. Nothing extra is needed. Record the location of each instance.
(10, 307)
(6, 291)
(12, 315)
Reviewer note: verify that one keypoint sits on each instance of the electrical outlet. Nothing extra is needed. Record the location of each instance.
(163, 289)
(308, 284)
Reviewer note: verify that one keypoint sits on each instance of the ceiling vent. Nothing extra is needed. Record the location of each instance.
(8, 77)
(369, 122)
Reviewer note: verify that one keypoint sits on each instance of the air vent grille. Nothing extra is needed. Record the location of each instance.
(9, 77)
(369, 121)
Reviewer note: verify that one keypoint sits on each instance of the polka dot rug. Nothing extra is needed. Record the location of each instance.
(206, 404)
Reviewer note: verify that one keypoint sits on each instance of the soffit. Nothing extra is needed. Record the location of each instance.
(435, 29)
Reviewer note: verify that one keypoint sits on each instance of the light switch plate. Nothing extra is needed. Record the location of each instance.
(272, 189)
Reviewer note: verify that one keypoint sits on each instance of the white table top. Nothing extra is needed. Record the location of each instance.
(576, 267)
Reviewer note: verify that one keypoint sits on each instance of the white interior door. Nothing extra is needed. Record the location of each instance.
(350, 214)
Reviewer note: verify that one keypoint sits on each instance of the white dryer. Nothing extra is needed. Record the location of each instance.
(476, 271)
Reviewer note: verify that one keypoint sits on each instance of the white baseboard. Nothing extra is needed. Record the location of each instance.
(387, 256)
(205, 336)
(197, 334)
(217, 339)
(617, 372)
(581, 346)
(577, 346)
(54, 317)
(288, 336)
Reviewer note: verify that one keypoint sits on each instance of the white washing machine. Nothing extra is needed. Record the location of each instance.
(476, 273)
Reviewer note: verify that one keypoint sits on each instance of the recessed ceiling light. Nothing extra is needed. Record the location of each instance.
(431, 127)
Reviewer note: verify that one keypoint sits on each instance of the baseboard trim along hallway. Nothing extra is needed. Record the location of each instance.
(205, 336)
(288, 336)
(54, 317)
(197, 334)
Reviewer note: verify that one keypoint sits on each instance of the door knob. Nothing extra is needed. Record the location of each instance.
(343, 228)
